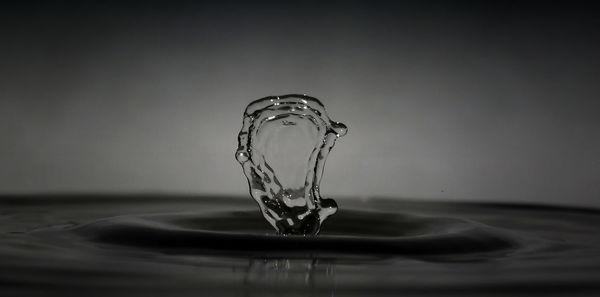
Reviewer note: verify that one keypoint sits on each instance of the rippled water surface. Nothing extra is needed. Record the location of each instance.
(153, 245)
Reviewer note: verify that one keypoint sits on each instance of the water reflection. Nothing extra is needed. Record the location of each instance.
(304, 277)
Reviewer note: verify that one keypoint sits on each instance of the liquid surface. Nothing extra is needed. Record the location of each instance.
(282, 148)
(220, 246)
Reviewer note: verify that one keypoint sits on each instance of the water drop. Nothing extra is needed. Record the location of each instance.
(282, 148)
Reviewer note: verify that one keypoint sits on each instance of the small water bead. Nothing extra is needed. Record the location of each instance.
(282, 148)
(339, 128)
(241, 156)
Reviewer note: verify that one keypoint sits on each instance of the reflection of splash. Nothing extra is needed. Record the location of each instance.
(278, 277)
(283, 145)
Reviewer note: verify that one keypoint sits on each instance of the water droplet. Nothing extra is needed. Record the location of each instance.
(282, 148)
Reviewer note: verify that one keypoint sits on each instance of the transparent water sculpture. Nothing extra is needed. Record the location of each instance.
(282, 148)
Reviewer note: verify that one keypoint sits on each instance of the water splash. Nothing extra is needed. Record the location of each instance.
(283, 145)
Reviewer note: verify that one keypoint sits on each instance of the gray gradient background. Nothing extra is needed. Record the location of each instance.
(494, 101)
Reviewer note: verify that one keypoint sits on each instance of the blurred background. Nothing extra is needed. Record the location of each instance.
(444, 100)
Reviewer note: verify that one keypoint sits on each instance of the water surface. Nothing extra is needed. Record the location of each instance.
(161, 245)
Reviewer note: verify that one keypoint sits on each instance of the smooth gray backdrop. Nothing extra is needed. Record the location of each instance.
(463, 100)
